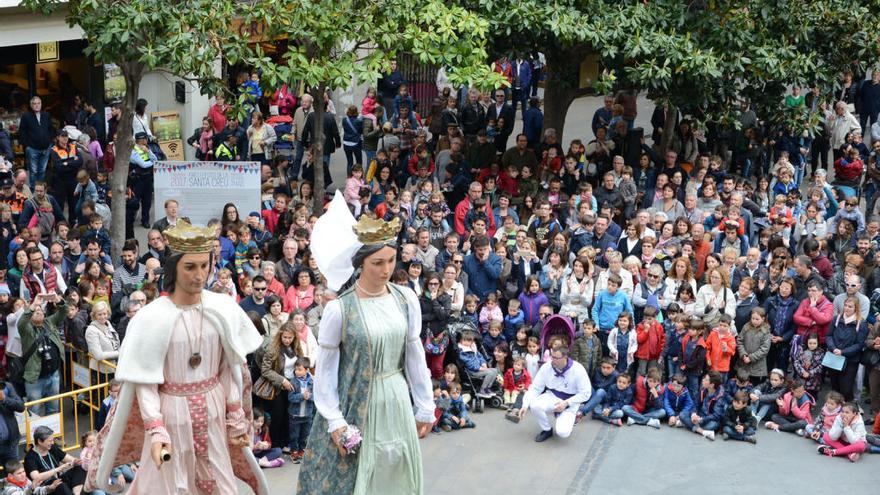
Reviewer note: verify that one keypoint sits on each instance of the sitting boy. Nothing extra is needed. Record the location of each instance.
(611, 409)
(456, 416)
(677, 401)
(709, 411)
(647, 406)
(603, 378)
(739, 423)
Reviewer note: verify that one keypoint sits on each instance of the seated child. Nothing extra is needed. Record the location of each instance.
(602, 379)
(456, 416)
(825, 419)
(516, 381)
(794, 409)
(677, 401)
(611, 409)
(709, 410)
(587, 348)
(97, 231)
(267, 456)
(763, 397)
(225, 283)
(441, 404)
(469, 313)
(475, 364)
(300, 409)
(739, 382)
(739, 423)
(647, 406)
(847, 436)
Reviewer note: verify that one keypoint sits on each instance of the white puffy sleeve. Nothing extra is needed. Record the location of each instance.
(327, 366)
(416, 366)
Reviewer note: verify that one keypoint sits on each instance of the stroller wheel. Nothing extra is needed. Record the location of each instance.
(478, 405)
(495, 402)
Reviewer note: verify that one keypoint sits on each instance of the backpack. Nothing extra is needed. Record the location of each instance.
(43, 219)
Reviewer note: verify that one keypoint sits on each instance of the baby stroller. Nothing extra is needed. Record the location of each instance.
(557, 325)
(468, 384)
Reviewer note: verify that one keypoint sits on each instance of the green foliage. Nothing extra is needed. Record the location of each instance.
(335, 41)
(703, 55)
(182, 38)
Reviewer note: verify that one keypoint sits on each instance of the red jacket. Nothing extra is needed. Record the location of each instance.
(413, 166)
(50, 281)
(462, 208)
(717, 359)
(510, 384)
(640, 396)
(507, 184)
(652, 341)
(814, 319)
(847, 170)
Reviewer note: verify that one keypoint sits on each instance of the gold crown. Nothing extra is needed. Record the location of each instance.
(376, 231)
(187, 239)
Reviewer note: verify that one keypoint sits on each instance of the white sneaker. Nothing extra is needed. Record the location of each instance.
(630, 421)
(654, 422)
(709, 434)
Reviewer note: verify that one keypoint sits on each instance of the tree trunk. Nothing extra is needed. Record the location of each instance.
(317, 147)
(560, 86)
(122, 146)
(668, 129)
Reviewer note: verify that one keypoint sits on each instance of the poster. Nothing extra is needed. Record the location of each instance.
(114, 83)
(81, 375)
(166, 126)
(203, 187)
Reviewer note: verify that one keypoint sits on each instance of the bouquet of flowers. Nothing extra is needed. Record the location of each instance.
(351, 439)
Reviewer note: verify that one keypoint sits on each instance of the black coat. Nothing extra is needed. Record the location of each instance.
(435, 313)
(33, 134)
(10, 405)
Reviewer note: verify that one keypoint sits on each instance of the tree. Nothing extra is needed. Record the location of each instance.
(181, 38)
(702, 56)
(333, 43)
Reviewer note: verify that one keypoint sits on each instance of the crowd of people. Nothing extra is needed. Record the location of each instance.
(720, 286)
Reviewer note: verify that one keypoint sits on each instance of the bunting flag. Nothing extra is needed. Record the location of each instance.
(240, 167)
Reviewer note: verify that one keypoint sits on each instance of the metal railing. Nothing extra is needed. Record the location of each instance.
(88, 394)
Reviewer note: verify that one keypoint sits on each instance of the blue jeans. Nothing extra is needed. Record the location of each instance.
(707, 425)
(595, 399)
(672, 368)
(642, 418)
(615, 414)
(748, 432)
(760, 411)
(299, 432)
(37, 162)
(352, 155)
(693, 385)
(293, 171)
(42, 388)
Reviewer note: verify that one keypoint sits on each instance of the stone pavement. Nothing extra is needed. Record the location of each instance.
(501, 457)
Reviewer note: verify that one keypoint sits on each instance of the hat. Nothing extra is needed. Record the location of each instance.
(254, 214)
(141, 135)
(415, 261)
(6, 180)
(4, 290)
(62, 133)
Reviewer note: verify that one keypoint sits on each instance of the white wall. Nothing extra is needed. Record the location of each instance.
(158, 89)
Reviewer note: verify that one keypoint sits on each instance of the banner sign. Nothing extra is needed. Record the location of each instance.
(203, 187)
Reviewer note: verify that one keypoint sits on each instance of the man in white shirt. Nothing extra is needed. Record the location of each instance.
(559, 388)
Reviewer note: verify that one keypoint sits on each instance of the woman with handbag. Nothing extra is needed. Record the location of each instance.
(276, 380)
(846, 338)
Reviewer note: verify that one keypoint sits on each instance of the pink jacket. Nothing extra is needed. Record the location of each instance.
(814, 319)
(488, 315)
(789, 407)
(352, 189)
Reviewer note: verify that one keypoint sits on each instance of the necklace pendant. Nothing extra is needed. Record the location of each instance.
(195, 360)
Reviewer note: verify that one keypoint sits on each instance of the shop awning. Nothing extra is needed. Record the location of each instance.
(22, 27)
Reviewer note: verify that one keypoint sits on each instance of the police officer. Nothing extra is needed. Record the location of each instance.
(141, 174)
